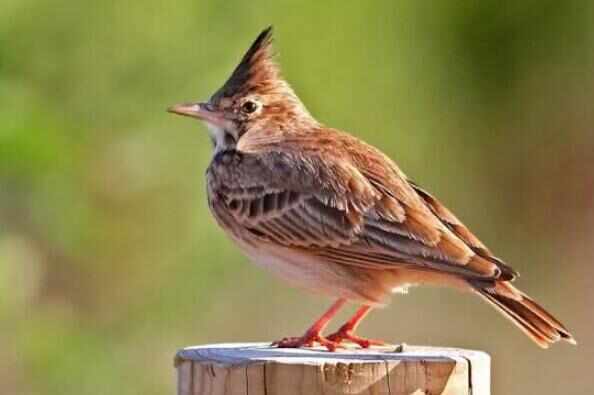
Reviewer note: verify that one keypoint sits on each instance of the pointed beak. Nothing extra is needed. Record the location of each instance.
(202, 111)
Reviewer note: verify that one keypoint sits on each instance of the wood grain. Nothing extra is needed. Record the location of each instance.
(257, 369)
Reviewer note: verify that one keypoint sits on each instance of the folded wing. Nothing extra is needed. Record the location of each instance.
(348, 212)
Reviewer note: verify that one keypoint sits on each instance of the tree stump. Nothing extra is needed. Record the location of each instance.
(258, 369)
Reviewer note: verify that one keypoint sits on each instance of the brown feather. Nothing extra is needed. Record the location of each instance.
(533, 319)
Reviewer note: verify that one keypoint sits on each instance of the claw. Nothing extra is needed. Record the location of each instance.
(307, 340)
(345, 333)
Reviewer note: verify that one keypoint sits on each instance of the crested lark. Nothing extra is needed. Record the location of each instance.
(327, 212)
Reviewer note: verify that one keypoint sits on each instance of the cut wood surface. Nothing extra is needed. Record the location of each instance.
(258, 369)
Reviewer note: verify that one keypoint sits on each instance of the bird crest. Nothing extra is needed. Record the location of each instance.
(256, 73)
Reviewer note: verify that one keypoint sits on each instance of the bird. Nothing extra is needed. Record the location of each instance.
(332, 214)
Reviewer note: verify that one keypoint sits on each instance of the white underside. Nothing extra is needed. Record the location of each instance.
(359, 284)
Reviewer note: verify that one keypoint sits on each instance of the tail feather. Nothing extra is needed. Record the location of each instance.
(529, 316)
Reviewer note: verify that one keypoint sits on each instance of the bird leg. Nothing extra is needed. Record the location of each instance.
(313, 334)
(346, 332)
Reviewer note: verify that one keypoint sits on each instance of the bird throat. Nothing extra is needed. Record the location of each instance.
(222, 140)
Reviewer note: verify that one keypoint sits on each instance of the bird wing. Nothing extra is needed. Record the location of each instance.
(354, 209)
(293, 200)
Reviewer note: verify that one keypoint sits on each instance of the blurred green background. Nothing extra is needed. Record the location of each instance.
(110, 261)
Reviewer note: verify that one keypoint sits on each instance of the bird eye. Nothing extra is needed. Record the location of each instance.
(249, 107)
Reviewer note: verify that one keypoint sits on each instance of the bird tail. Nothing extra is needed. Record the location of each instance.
(529, 316)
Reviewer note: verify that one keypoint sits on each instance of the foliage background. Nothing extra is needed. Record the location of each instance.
(109, 260)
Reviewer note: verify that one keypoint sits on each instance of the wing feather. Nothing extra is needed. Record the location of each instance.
(351, 209)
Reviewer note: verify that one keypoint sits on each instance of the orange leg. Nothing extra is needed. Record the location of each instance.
(346, 332)
(313, 334)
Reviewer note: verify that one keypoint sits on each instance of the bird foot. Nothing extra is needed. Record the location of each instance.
(307, 340)
(346, 333)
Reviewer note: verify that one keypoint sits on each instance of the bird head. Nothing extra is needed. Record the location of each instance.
(255, 97)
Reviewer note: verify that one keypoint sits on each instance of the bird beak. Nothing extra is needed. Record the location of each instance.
(202, 111)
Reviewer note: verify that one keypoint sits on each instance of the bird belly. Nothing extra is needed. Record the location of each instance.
(303, 270)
